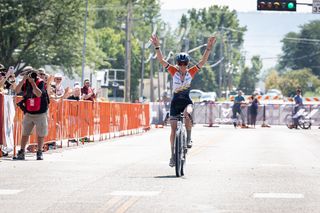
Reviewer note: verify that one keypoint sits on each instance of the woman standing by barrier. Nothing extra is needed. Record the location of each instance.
(254, 110)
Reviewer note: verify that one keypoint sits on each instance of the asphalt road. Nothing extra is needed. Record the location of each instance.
(228, 170)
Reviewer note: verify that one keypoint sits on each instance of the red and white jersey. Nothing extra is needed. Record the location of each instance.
(182, 86)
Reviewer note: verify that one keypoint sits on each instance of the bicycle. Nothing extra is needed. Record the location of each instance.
(303, 119)
(180, 146)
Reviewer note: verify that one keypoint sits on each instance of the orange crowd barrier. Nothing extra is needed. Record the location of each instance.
(76, 120)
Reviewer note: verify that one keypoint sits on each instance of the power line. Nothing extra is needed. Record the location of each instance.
(298, 58)
(302, 39)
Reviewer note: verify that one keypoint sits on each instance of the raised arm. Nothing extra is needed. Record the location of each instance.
(211, 41)
(155, 41)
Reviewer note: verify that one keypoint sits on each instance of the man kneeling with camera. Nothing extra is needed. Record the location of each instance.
(35, 106)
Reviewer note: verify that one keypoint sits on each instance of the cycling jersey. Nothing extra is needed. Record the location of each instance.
(181, 88)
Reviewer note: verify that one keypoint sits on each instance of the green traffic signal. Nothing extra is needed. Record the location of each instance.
(277, 5)
(291, 6)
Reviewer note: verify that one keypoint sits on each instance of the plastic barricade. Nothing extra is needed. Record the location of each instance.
(74, 120)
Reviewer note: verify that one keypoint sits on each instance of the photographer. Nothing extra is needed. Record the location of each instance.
(7, 80)
(35, 106)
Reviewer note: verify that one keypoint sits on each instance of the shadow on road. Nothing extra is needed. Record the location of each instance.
(166, 176)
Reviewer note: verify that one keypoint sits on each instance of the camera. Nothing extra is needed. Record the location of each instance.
(33, 75)
(22, 106)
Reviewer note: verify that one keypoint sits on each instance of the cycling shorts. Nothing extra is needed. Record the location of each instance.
(178, 106)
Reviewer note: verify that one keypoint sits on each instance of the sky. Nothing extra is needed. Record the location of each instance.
(264, 29)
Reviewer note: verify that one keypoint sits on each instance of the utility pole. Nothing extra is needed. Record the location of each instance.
(142, 69)
(151, 72)
(84, 43)
(221, 65)
(128, 52)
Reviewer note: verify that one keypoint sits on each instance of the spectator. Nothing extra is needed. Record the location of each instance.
(7, 80)
(47, 80)
(35, 106)
(7, 83)
(58, 91)
(254, 110)
(236, 109)
(88, 92)
(76, 93)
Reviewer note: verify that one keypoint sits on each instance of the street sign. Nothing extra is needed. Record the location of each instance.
(316, 6)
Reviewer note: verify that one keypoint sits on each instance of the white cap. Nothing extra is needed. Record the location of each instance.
(58, 75)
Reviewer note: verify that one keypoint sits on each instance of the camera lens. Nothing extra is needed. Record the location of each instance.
(32, 75)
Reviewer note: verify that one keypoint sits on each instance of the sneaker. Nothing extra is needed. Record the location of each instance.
(172, 162)
(189, 144)
(39, 155)
(20, 155)
(4, 154)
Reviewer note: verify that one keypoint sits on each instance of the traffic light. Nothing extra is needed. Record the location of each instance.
(277, 5)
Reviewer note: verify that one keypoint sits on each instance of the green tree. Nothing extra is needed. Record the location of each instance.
(41, 32)
(298, 78)
(301, 50)
(272, 80)
(249, 76)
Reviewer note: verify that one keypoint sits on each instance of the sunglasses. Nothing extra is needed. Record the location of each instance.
(59, 79)
(42, 74)
(182, 63)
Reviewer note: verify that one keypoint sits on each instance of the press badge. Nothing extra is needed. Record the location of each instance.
(31, 102)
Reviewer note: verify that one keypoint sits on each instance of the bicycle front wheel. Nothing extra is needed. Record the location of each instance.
(178, 154)
(304, 123)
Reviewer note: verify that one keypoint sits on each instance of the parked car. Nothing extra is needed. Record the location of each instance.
(274, 92)
(195, 95)
(208, 96)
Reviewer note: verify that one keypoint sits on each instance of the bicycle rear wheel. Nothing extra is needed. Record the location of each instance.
(178, 154)
(289, 121)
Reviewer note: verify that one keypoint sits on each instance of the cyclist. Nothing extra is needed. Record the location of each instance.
(298, 105)
(182, 77)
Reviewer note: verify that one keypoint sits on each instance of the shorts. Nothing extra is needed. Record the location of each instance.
(38, 120)
(177, 107)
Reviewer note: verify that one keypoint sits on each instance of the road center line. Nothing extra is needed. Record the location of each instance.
(135, 193)
(279, 195)
(9, 191)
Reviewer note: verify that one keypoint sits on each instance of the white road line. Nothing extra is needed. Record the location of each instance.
(135, 193)
(276, 165)
(9, 191)
(279, 195)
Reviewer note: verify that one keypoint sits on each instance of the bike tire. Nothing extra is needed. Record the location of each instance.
(289, 121)
(178, 154)
(303, 124)
(184, 153)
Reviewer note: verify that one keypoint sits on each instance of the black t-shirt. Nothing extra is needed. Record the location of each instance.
(27, 93)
